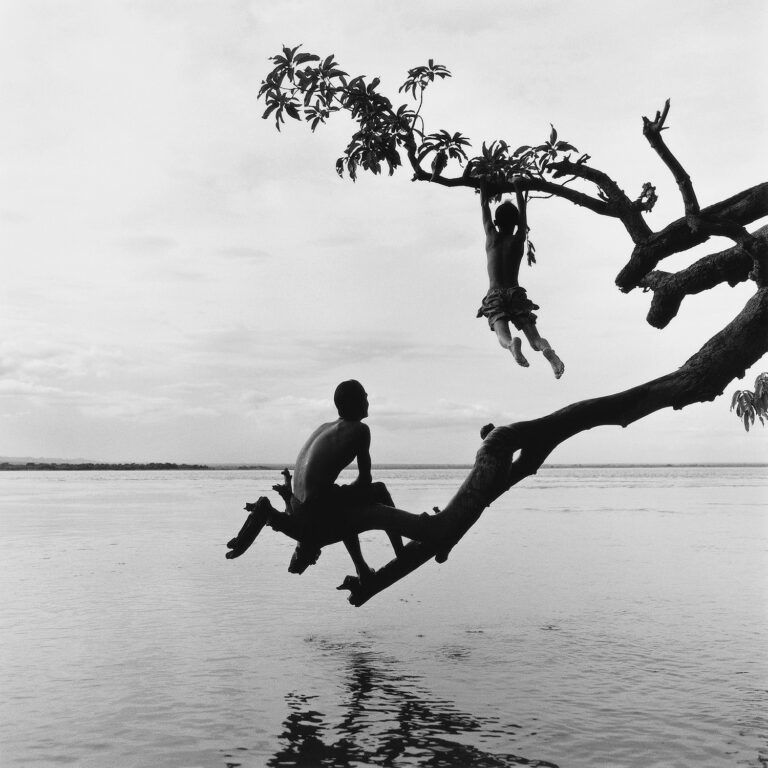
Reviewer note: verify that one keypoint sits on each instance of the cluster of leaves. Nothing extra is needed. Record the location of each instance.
(498, 164)
(749, 405)
(296, 74)
(444, 145)
(378, 137)
(530, 255)
(420, 77)
(303, 86)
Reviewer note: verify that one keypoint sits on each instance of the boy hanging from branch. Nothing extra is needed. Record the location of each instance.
(506, 302)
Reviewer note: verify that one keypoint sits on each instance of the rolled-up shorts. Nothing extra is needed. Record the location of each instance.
(510, 304)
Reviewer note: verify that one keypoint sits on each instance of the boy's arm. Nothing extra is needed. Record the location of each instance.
(488, 226)
(364, 457)
(352, 542)
(522, 229)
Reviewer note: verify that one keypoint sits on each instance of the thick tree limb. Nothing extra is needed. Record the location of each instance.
(508, 454)
(730, 266)
(758, 250)
(747, 242)
(741, 209)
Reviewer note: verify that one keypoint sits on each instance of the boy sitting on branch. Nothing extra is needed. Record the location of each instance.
(319, 512)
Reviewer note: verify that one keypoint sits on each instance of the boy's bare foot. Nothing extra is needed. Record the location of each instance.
(557, 364)
(517, 352)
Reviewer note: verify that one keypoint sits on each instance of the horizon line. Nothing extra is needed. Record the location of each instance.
(277, 466)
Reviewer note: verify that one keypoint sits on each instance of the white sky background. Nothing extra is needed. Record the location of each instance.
(182, 283)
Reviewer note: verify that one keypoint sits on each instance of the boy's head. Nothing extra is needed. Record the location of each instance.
(351, 400)
(507, 216)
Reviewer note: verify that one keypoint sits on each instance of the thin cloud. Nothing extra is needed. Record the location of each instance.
(147, 244)
(18, 388)
(44, 360)
(243, 253)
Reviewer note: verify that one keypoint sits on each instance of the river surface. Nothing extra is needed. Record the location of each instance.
(592, 617)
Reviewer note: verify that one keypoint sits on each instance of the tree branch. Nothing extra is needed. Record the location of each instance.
(730, 266)
(524, 184)
(701, 378)
(616, 198)
(740, 209)
(652, 131)
(751, 245)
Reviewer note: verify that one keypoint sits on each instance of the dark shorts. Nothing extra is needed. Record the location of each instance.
(510, 304)
(331, 517)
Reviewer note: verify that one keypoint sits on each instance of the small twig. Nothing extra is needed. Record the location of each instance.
(285, 489)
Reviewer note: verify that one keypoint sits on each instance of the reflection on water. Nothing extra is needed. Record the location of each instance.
(384, 722)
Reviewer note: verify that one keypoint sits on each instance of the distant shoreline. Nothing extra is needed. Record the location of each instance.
(156, 466)
(34, 466)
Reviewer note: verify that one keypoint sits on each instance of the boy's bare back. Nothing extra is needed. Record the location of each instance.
(504, 253)
(330, 448)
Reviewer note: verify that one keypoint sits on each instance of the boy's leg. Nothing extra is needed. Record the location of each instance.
(371, 517)
(505, 339)
(352, 543)
(380, 494)
(542, 345)
(286, 524)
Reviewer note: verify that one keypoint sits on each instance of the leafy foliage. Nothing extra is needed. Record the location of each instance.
(420, 77)
(304, 86)
(749, 405)
(317, 84)
(498, 164)
(530, 254)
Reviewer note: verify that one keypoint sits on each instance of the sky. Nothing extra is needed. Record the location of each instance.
(183, 283)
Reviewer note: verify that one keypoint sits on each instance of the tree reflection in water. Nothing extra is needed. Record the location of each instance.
(387, 724)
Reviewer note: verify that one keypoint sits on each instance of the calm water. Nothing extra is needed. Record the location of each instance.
(593, 617)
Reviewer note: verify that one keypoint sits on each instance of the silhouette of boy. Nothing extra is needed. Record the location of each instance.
(323, 512)
(506, 302)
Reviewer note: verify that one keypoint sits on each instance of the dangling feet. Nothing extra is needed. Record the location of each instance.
(517, 352)
(256, 520)
(558, 368)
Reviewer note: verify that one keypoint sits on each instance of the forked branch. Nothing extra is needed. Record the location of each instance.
(731, 266)
(652, 131)
(740, 209)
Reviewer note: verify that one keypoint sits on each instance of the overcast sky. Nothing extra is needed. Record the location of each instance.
(182, 283)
